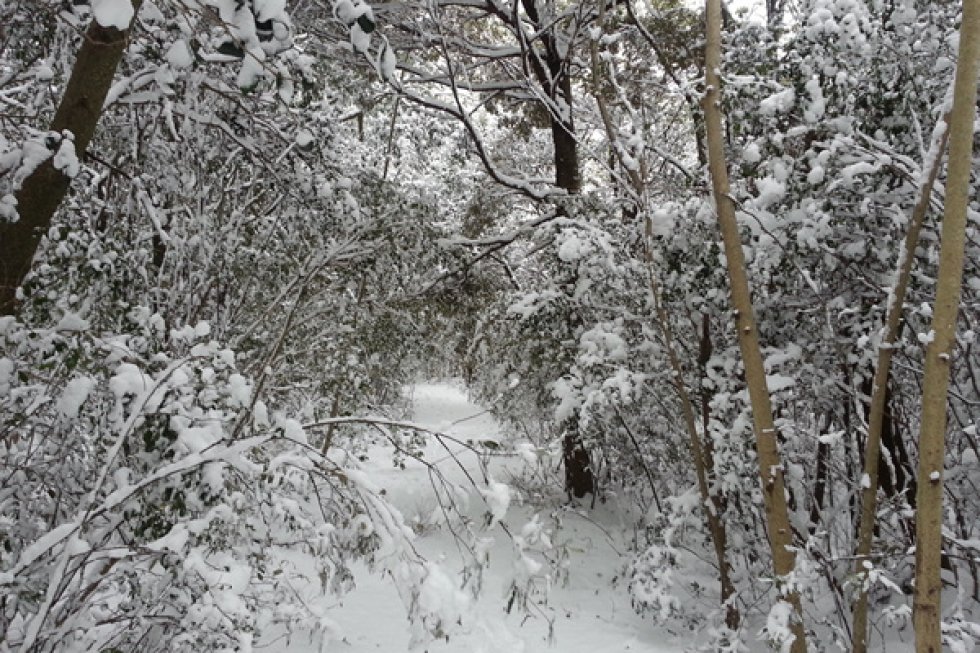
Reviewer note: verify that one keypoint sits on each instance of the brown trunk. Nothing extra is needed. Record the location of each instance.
(566, 146)
(898, 481)
(42, 192)
(550, 67)
(716, 506)
(927, 611)
(767, 448)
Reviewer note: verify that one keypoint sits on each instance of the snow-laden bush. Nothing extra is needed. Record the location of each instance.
(147, 493)
(652, 581)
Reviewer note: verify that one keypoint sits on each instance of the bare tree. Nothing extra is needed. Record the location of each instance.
(926, 616)
(770, 464)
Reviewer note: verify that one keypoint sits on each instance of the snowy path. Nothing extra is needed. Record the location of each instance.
(587, 612)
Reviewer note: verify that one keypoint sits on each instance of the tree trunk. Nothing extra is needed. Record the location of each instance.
(553, 77)
(566, 146)
(43, 190)
(770, 465)
(878, 415)
(714, 504)
(579, 479)
(926, 615)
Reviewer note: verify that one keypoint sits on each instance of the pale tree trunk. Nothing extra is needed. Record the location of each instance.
(770, 465)
(926, 615)
(43, 190)
(879, 392)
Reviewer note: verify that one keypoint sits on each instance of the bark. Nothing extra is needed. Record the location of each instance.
(43, 190)
(566, 146)
(551, 70)
(579, 479)
(926, 614)
(579, 476)
(716, 509)
(767, 448)
(879, 418)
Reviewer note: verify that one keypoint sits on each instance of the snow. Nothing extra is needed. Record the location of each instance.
(497, 496)
(573, 248)
(240, 390)
(65, 158)
(662, 220)
(8, 208)
(268, 9)
(360, 40)
(850, 173)
(113, 13)
(770, 192)
(72, 322)
(574, 620)
(304, 139)
(252, 69)
(440, 603)
(816, 106)
(387, 64)
(816, 174)
(128, 380)
(777, 626)
(777, 382)
(41, 545)
(6, 375)
(179, 55)
(792, 352)
(780, 102)
(75, 394)
(197, 439)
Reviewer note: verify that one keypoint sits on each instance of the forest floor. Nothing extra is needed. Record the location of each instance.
(588, 611)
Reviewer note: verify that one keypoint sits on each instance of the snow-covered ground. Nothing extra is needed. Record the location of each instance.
(584, 612)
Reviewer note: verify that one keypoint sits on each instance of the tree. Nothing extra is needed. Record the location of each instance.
(513, 56)
(879, 391)
(770, 464)
(927, 616)
(71, 130)
(204, 215)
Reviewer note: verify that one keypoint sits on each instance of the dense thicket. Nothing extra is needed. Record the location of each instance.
(288, 212)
